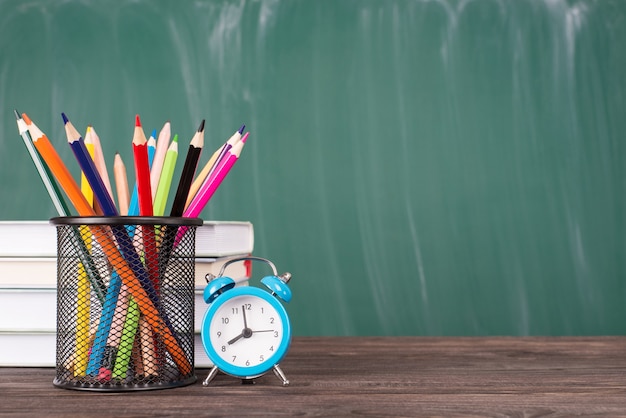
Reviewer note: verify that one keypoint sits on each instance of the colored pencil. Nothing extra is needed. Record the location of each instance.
(151, 145)
(83, 300)
(112, 351)
(58, 169)
(84, 184)
(142, 174)
(212, 183)
(98, 348)
(127, 339)
(159, 157)
(136, 287)
(121, 184)
(165, 179)
(133, 207)
(178, 206)
(210, 166)
(189, 171)
(142, 169)
(42, 169)
(98, 158)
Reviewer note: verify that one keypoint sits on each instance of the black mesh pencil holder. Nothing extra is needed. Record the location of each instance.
(125, 302)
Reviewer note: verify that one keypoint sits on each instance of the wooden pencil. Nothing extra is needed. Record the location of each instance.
(162, 145)
(121, 184)
(210, 166)
(189, 171)
(44, 173)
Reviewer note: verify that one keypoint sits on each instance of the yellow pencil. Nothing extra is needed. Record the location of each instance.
(83, 295)
(83, 299)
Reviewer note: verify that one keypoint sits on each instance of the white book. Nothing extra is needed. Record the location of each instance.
(31, 349)
(27, 272)
(39, 239)
(38, 349)
(237, 270)
(224, 238)
(32, 308)
(38, 272)
(27, 239)
(28, 310)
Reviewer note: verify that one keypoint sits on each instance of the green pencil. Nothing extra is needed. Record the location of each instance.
(165, 180)
(61, 207)
(44, 172)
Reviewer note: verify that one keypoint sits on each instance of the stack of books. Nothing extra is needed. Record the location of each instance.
(28, 284)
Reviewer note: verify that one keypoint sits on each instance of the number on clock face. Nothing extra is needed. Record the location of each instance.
(246, 331)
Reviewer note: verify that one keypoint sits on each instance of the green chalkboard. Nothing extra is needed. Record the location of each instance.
(421, 167)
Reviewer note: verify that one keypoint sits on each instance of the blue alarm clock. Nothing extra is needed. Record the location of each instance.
(246, 330)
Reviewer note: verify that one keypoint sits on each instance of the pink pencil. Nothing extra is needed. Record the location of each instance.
(211, 184)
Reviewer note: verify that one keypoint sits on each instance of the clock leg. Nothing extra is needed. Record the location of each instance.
(279, 373)
(210, 377)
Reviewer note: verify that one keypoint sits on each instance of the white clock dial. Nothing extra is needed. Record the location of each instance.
(246, 331)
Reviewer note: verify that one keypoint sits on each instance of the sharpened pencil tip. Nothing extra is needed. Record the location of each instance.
(137, 121)
(26, 119)
(241, 129)
(175, 138)
(154, 134)
(245, 137)
(17, 114)
(65, 119)
(201, 127)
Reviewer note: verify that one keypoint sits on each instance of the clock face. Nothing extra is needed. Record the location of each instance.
(246, 331)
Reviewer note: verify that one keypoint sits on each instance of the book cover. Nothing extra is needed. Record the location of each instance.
(27, 349)
(39, 239)
(41, 272)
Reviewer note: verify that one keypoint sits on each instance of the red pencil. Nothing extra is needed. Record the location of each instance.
(142, 175)
(144, 192)
(142, 169)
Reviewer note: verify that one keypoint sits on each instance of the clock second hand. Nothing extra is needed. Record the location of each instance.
(246, 335)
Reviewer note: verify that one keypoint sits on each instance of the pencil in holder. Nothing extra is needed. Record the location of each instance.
(125, 302)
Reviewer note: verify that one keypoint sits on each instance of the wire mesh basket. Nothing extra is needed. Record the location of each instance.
(125, 302)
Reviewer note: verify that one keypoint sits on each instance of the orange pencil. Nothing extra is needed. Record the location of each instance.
(59, 170)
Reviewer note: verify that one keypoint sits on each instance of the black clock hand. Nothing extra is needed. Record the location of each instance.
(245, 322)
(247, 332)
(237, 338)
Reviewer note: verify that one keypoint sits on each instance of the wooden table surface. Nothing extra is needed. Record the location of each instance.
(372, 376)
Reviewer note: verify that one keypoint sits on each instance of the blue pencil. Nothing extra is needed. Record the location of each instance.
(102, 333)
(100, 192)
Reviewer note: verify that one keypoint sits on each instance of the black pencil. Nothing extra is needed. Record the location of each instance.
(189, 171)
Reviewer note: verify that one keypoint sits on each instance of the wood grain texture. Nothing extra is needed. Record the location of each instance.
(374, 376)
